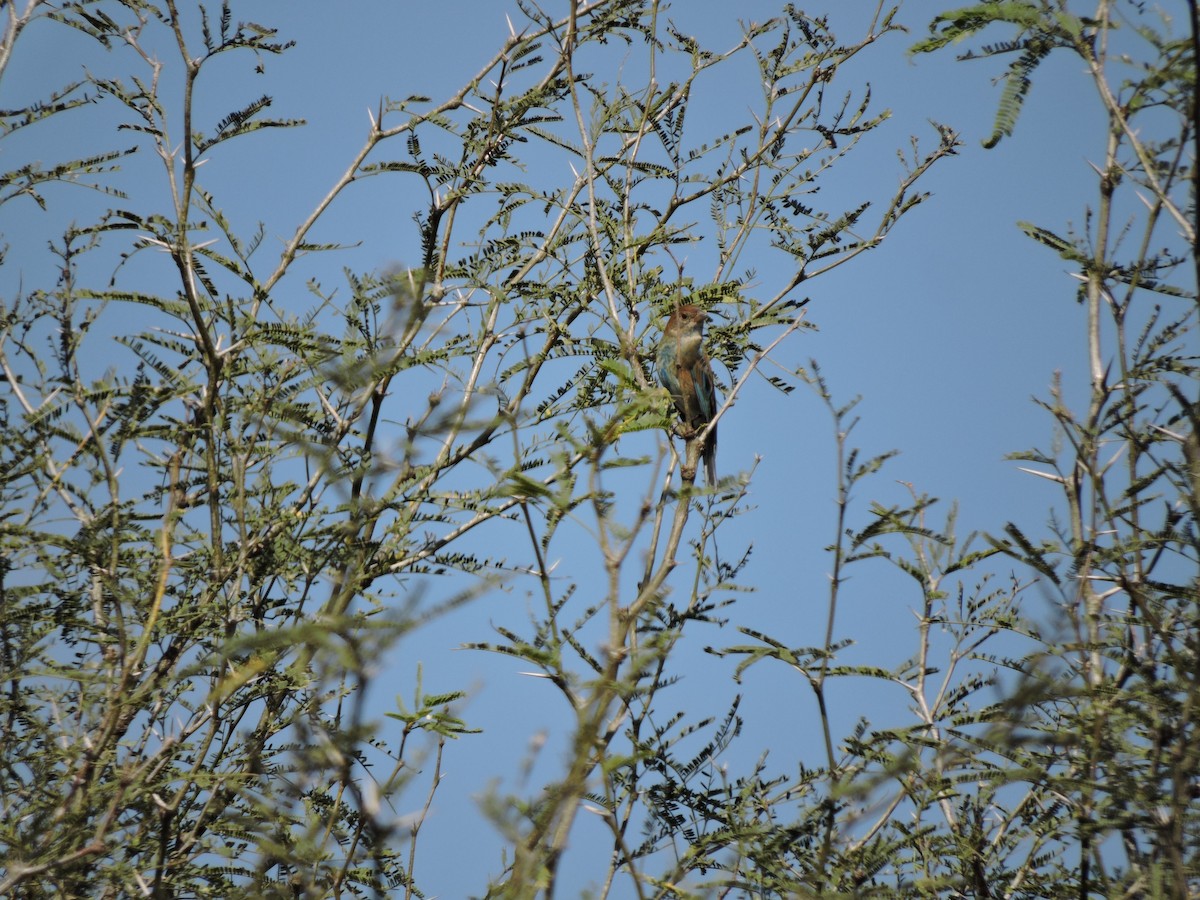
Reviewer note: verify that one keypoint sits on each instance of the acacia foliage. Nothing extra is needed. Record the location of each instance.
(1096, 792)
(223, 503)
(218, 523)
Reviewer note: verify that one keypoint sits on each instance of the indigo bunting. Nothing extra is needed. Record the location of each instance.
(684, 370)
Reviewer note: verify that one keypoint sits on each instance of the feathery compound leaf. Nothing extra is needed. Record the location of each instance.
(967, 21)
(1017, 84)
(243, 121)
(1039, 31)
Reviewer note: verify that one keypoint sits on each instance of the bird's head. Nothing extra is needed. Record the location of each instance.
(686, 318)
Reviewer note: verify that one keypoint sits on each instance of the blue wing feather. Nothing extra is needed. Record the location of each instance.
(666, 367)
(706, 394)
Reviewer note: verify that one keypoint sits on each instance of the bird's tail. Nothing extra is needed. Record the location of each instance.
(710, 457)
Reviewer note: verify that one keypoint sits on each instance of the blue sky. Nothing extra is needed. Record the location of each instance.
(946, 331)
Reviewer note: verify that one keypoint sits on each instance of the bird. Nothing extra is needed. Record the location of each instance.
(686, 373)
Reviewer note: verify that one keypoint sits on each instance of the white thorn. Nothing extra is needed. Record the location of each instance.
(1049, 475)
